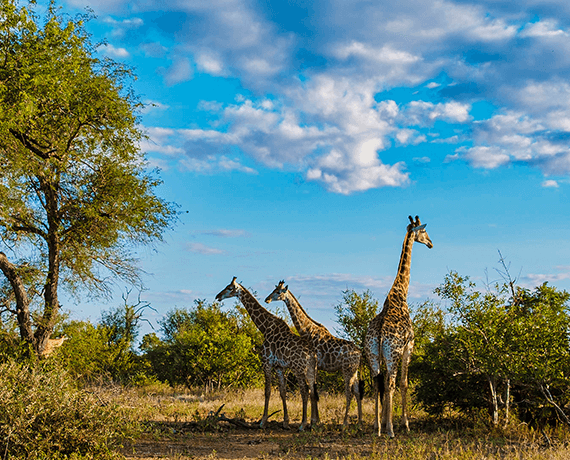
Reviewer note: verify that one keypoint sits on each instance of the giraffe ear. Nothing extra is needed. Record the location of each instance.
(286, 288)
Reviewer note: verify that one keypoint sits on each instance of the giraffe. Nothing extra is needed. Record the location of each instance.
(390, 337)
(333, 354)
(281, 350)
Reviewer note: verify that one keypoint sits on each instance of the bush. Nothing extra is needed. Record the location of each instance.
(205, 347)
(43, 416)
(495, 348)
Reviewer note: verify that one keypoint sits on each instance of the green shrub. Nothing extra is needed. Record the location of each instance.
(44, 416)
(92, 355)
(205, 347)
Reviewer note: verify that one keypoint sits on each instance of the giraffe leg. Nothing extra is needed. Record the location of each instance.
(372, 350)
(358, 397)
(311, 379)
(267, 371)
(388, 402)
(304, 388)
(283, 393)
(404, 384)
(377, 408)
(350, 387)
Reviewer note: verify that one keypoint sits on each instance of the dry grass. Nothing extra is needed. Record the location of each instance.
(168, 415)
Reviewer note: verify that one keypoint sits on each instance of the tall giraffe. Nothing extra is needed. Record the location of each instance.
(281, 350)
(390, 336)
(333, 354)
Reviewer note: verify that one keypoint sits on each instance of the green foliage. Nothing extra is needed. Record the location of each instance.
(43, 416)
(497, 344)
(105, 351)
(76, 196)
(354, 314)
(90, 354)
(205, 347)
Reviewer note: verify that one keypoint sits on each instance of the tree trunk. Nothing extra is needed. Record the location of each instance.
(51, 304)
(22, 303)
(507, 401)
(494, 400)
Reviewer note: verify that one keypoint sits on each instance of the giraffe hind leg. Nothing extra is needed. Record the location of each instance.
(404, 385)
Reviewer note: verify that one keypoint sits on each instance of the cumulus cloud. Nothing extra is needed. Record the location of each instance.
(326, 77)
(550, 183)
(119, 53)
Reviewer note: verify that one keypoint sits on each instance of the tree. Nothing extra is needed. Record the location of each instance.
(507, 339)
(206, 347)
(354, 314)
(76, 197)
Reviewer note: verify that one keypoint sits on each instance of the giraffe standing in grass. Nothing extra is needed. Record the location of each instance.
(281, 350)
(333, 354)
(390, 336)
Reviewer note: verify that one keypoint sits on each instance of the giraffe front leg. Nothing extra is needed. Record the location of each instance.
(348, 395)
(304, 388)
(358, 390)
(283, 394)
(267, 371)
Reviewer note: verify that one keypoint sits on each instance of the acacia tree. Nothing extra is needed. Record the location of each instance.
(76, 196)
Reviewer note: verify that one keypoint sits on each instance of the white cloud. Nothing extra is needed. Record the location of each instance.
(200, 248)
(120, 53)
(209, 63)
(180, 71)
(544, 28)
(550, 184)
(486, 157)
(227, 233)
(425, 113)
(150, 106)
(328, 124)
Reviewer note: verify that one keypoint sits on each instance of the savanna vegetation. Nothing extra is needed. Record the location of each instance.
(491, 369)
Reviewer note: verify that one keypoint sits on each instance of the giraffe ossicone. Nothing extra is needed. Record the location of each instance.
(333, 354)
(281, 350)
(389, 339)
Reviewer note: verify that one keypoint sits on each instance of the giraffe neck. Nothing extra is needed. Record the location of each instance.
(399, 292)
(259, 315)
(301, 320)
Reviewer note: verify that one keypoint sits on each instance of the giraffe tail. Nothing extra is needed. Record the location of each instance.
(316, 392)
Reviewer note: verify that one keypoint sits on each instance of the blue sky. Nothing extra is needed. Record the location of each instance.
(298, 136)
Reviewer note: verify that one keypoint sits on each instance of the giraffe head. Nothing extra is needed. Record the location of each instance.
(419, 231)
(278, 293)
(231, 290)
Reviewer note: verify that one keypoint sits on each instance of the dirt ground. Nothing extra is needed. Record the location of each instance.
(177, 442)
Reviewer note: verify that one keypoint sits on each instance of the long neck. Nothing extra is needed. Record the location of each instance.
(401, 284)
(259, 315)
(301, 320)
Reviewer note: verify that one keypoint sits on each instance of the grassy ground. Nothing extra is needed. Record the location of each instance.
(177, 426)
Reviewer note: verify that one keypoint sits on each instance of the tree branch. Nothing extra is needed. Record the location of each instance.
(33, 146)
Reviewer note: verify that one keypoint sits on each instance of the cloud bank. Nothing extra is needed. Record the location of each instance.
(319, 83)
